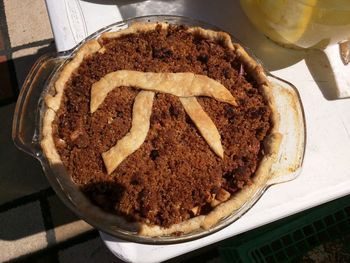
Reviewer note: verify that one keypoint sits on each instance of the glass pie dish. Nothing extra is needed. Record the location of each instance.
(27, 134)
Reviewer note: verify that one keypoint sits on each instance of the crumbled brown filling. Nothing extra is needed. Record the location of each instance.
(174, 175)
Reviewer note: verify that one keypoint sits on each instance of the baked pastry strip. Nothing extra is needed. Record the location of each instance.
(178, 84)
(141, 114)
(204, 124)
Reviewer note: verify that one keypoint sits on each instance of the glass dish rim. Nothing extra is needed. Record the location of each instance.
(66, 55)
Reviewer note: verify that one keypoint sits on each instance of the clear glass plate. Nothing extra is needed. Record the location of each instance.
(27, 123)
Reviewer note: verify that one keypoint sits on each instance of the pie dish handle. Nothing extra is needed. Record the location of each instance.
(293, 129)
(26, 124)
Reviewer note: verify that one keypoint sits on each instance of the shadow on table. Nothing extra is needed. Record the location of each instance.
(28, 206)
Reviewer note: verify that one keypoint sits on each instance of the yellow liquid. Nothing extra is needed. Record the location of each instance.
(301, 23)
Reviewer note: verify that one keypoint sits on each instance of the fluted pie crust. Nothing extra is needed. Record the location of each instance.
(224, 209)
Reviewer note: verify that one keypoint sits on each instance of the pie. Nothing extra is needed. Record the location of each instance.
(166, 127)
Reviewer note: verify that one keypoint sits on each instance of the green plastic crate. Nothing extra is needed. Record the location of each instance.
(287, 240)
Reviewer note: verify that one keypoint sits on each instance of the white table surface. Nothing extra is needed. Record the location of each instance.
(326, 170)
